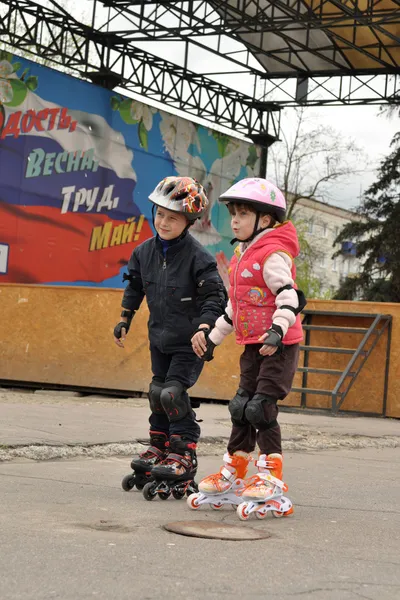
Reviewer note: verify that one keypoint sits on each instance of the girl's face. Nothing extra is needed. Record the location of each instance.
(169, 224)
(243, 220)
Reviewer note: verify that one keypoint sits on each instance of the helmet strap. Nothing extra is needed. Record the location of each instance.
(184, 232)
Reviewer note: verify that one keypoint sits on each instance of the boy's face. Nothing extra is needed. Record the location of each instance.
(169, 224)
(243, 220)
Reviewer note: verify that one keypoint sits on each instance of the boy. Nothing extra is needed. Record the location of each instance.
(185, 296)
(263, 310)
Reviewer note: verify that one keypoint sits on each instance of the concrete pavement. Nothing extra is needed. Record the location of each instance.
(60, 418)
(69, 532)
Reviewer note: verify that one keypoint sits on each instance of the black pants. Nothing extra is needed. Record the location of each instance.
(271, 376)
(184, 367)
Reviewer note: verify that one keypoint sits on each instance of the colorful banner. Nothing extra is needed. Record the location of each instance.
(77, 163)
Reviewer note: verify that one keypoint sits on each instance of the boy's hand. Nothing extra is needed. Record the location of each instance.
(199, 343)
(120, 332)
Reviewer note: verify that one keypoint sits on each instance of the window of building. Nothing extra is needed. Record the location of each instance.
(321, 260)
(324, 227)
(310, 226)
(334, 264)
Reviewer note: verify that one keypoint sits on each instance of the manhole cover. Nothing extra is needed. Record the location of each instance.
(216, 531)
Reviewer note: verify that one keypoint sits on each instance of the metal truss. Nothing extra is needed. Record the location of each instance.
(240, 19)
(235, 86)
(107, 58)
(238, 30)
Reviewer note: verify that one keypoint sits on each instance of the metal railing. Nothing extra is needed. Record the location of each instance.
(347, 376)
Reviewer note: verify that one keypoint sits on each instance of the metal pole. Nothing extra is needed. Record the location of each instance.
(387, 366)
(263, 162)
(264, 140)
(94, 14)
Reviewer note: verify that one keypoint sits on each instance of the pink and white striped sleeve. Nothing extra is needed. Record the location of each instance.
(223, 326)
(277, 274)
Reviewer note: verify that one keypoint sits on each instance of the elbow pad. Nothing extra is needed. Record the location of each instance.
(212, 289)
(301, 299)
(135, 282)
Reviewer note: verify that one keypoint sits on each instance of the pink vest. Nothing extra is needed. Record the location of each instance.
(252, 301)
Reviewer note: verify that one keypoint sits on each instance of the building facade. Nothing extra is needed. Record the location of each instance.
(321, 224)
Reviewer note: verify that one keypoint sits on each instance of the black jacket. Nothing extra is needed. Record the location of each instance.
(182, 290)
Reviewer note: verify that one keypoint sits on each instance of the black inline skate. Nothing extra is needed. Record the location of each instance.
(175, 475)
(143, 464)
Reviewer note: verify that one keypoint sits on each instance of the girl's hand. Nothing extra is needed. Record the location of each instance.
(266, 350)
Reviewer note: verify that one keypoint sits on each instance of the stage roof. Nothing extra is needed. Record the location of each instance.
(292, 37)
(233, 62)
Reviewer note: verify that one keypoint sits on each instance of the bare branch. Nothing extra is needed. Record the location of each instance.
(312, 158)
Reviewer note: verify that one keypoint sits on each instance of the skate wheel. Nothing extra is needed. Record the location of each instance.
(192, 501)
(139, 486)
(260, 515)
(178, 494)
(149, 492)
(128, 483)
(193, 488)
(164, 495)
(216, 506)
(288, 512)
(241, 511)
(277, 514)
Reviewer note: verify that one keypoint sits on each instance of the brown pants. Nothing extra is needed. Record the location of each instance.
(272, 377)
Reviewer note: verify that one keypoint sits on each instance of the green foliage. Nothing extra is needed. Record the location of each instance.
(222, 142)
(4, 55)
(19, 91)
(252, 157)
(32, 83)
(115, 102)
(305, 278)
(16, 89)
(377, 237)
(143, 136)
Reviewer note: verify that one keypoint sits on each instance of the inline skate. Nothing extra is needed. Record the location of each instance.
(175, 474)
(143, 464)
(223, 487)
(264, 491)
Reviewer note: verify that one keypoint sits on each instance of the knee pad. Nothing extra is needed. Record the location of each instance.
(237, 407)
(175, 401)
(155, 390)
(261, 412)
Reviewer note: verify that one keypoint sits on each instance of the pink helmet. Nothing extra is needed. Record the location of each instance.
(263, 195)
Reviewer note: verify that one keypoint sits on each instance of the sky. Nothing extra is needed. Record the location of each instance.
(371, 132)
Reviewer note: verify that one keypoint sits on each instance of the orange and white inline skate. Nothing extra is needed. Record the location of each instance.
(223, 487)
(264, 492)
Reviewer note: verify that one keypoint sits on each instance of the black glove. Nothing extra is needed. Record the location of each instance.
(208, 354)
(275, 335)
(118, 329)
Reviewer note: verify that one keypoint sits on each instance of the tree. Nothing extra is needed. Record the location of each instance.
(377, 237)
(305, 278)
(311, 158)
